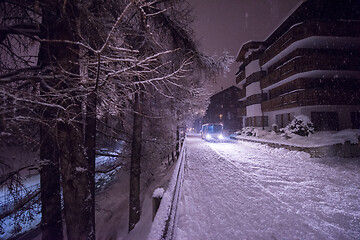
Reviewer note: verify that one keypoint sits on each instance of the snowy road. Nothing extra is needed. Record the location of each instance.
(251, 191)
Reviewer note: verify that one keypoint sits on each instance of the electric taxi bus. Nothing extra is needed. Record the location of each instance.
(212, 132)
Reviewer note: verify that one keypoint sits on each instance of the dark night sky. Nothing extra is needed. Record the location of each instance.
(224, 25)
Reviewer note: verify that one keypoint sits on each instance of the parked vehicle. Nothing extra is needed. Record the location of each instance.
(212, 132)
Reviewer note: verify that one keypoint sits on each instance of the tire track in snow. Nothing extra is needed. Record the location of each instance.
(316, 195)
(220, 202)
(256, 182)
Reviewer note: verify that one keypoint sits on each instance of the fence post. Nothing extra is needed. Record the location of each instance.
(156, 200)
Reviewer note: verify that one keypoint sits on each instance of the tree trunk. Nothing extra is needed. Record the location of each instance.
(50, 186)
(51, 222)
(135, 170)
(76, 167)
(78, 198)
(90, 145)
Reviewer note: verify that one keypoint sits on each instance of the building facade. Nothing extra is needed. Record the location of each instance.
(309, 65)
(224, 108)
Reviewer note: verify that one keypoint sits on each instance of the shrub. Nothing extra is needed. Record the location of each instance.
(300, 125)
(248, 131)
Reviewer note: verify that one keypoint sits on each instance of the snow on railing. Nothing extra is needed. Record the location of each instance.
(166, 216)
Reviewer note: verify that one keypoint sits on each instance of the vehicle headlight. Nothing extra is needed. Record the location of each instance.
(221, 137)
(208, 136)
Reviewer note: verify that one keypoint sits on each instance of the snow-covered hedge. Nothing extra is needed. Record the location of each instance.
(248, 131)
(251, 131)
(300, 125)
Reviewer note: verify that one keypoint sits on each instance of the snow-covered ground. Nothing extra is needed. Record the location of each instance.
(317, 139)
(243, 190)
(32, 183)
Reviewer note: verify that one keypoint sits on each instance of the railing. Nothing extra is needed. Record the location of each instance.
(241, 111)
(166, 216)
(312, 97)
(240, 77)
(308, 29)
(309, 63)
(255, 99)
(242, 93)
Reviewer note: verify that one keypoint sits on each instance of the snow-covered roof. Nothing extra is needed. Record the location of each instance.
(310, 9)
(245, 47)
(256, 44)
(296, 7)
(320, 42)
(307, 9)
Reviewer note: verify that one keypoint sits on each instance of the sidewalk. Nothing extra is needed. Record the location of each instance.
(250, 191)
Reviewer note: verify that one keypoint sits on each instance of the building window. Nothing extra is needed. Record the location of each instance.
(261, 121)
(325, 121)
(279, 120)
(355, 120)
(257, 121)
(282, 120)
(287, 119)
(248, 122)
(265, 121)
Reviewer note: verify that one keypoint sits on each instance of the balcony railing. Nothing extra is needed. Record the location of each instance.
(240, 77)
(241, 111)
(242, 93)
(309, 29)
(307, 63)
(312, 97)
(255, 99)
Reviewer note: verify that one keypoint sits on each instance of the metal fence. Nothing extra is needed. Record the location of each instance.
(166, 217)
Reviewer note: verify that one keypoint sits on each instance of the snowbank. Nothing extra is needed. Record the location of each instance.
(158, 193)
(317, 139)
(250, 191)
(168, 203)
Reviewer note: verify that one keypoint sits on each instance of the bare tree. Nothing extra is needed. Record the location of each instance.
(95, 57)
(171, 78)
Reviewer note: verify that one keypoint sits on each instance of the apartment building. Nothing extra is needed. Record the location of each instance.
(224, 108)
(309, 65)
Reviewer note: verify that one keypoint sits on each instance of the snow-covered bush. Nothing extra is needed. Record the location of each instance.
(251, 131)
(260, 132)
(158, 193)
(275, 127)
(239, 132)
(300, 125)
(248, 131)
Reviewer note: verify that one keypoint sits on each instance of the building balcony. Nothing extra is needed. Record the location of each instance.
(325, 63)
(240, 77)
(242, 94)
(241, 111)
(343, 84)
(255, 99)
(311, 98)
(323, 30)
